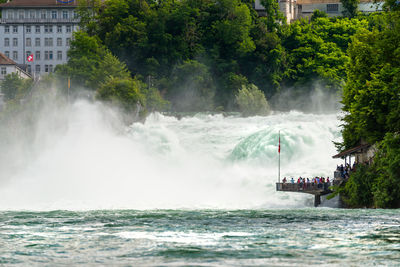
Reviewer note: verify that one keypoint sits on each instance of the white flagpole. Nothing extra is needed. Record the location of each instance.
(279, 159)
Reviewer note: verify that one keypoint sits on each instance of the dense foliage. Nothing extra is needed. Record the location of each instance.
(372, 106)
(199, 53)
(252, 101)
(350, 7)
(377, 185)
(14, 87)
(371, 96)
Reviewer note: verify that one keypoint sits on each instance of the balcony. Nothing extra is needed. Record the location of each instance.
(38, 21)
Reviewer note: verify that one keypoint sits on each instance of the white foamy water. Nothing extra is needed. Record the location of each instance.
(82, 157)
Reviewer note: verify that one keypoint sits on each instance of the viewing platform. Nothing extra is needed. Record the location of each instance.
(317, 190)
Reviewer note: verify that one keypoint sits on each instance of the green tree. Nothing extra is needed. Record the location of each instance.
(317, 51)
(274, 16)
(85, 58)
(154, 100)
(318, 14)
(192, 87)
(370, 97)
(350, 7)
(109, 66)
(252, 101)
(124, 92)
(88, 11)
(14, 87)
(357, 193)
(387, 170)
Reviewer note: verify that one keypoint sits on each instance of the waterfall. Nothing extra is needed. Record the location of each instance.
(83, 157)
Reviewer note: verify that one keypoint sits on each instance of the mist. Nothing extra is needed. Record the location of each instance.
(319, 100)
(80, 155)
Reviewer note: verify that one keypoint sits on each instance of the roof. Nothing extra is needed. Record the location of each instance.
(5, 60)
(40, 3)
(351, 151)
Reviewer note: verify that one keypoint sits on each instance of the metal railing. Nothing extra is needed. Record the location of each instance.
(303, 187)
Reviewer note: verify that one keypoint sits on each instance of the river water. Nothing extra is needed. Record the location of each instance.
(288, 237)
(84, 189)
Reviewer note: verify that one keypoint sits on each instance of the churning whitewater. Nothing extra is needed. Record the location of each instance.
(83, 157)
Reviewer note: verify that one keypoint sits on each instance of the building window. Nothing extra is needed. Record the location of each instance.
(59, 41)
(48, 28)
(43, 14)
(59, 55)
(15, 42)
(3, 70)
(37, 29)
(15, 29)
(32, 14)
(28, 42)
(10, 15)
(50, 68)
(7, 53)
(48, 41)
(68, 41)
(37, 42)
(59, 29)
(28, 53)
(29, 69)
(54, 14)
(68, 28)
(28, 29)
(37, 55)
(6, 29)
(21, 15)
(6, 41)
(15, 55)
(46, 68)
(65, 14)
(48, 55)
(332, 8)
(37, 68)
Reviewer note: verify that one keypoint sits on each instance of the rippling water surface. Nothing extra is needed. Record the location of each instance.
(201, 237)
(78, 187)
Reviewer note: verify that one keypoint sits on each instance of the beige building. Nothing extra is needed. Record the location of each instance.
(294, 9)
(333, 8)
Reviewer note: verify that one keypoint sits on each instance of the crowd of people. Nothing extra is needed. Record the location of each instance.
(342, 172)
(346, 170)
(304, 183)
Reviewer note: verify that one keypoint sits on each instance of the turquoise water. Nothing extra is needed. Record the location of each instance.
(80, 188)
(289, 237)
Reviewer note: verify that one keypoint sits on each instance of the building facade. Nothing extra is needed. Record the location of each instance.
(41, 29)
(8, 66)
(295, 9)
(333, 7)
